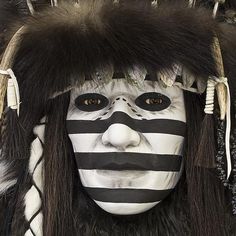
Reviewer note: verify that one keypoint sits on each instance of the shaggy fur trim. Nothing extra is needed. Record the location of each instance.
(62, 45)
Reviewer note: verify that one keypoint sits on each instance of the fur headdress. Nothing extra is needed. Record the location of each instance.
(61, 48)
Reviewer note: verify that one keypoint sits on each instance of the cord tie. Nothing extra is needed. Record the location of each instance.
(13, 94)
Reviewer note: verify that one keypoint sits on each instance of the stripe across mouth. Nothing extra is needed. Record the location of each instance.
(128, 161)
(120, 177)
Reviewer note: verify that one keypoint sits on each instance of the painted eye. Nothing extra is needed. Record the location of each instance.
(153, 101)
(91, 102)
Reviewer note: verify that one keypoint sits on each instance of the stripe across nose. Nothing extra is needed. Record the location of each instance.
(166, 126)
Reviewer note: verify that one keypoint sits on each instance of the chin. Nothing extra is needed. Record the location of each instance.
(125, 208)
(113, 179)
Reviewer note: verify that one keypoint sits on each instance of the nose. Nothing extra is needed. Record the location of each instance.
(120, 136)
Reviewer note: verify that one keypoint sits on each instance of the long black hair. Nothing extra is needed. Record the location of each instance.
(62, 46)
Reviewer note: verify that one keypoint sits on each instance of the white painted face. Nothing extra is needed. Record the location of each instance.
(128, 142)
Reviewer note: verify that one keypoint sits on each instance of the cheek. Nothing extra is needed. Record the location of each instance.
(85, 142)
(164, 180)
(165, 143)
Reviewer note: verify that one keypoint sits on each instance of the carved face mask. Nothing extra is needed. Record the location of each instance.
(128, 142)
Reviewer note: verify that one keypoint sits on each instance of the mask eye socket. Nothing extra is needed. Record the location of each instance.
(153, 101)
(91, 102)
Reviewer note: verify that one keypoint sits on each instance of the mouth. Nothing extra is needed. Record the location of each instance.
(129, 162)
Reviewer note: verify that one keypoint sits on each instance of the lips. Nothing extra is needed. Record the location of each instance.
(125, 166)
(123, 177)
(128, 161)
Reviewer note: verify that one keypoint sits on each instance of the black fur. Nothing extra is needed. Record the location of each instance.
(81, 43)
(60, 47)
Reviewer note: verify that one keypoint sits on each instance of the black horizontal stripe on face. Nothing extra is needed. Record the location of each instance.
(165, 126)
(127, 195)
(128, 161)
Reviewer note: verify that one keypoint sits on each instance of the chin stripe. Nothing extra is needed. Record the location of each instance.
(154, 180)
(165, 126)
(127, 195)
(128, 161)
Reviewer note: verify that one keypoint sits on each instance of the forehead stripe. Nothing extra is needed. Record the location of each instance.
(128, 161)
(127, 195)
(166, 126)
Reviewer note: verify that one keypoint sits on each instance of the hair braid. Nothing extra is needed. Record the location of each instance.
(33, 198)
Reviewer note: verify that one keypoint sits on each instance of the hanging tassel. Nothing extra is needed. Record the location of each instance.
(206, 153)
(13, 132)
(13, 94)
(224, 100)
(207, 131)
(13, 140)
(207, 136)
(7, 62)
(13, 136)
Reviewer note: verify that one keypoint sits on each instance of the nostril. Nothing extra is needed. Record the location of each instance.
(134, 139)
(105, 139)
